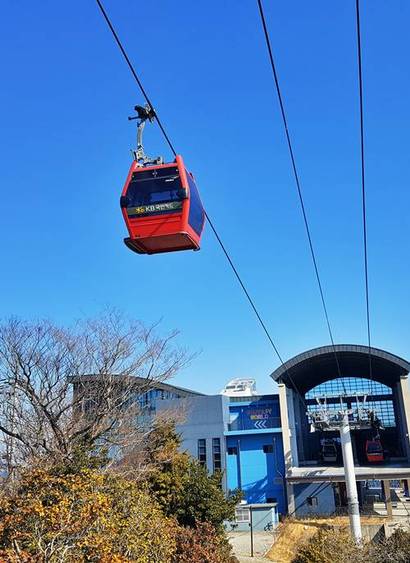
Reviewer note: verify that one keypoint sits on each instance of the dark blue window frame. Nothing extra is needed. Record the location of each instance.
(196, 212)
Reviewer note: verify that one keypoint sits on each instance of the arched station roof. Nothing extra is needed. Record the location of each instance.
(318, 365)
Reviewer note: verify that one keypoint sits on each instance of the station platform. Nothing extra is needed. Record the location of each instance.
(320, 474)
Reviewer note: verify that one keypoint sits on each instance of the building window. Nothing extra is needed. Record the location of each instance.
(379, 396)
(233, 451)
(202, 452)
(312, 501)
(268, 449)
(349, 385)
(216, 453)
(242, 514)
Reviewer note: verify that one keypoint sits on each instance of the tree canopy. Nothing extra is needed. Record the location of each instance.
(184, 488)
(84, 516)
(88, 476)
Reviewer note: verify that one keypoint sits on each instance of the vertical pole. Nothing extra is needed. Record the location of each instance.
(352, 500)
(282, 476)
(288, 441)
(387, 498)
(251, 523)
(404, 399)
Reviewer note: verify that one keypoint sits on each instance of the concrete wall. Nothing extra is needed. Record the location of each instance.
(324, 494)
(202, 418)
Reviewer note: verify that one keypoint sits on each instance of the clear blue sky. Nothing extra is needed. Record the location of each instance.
(65, 97)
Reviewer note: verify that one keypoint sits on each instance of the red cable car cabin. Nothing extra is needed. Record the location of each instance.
(374, 451)
(162, 208)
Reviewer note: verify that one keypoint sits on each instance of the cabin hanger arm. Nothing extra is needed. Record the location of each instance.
(144, 114)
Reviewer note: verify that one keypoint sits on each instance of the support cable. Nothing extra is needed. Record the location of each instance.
(299, 189)
(218, 238)
(249, 298)
(363, 187)
(138, 81)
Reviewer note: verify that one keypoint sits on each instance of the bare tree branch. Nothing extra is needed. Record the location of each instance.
(61, 388)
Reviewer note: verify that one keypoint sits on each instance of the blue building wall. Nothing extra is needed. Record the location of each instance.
(255, 462)
(258, 414)
(325, 499)
(251, 441)
(258, 474)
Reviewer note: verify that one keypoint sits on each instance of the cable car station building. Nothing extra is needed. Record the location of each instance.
(263, 444)
(313, 485)
(240, 436)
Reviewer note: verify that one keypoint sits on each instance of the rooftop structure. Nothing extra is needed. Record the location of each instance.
(240, 387)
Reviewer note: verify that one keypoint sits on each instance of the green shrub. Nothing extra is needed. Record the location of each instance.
(182, 487)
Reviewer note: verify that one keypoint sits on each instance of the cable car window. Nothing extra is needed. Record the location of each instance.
(153, 187)
(374, 447)
(196, 212)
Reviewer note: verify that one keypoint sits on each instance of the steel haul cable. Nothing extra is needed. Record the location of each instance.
(363, 186)
(299, 189)
(218, 238)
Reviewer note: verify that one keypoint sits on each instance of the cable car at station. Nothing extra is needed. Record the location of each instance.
(160, 202)
(374, 450)
(329, 451)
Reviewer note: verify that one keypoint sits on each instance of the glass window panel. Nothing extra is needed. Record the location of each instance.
(350, 385)
(154, 186)
(216, 454)
(242, 514)
(202, 452)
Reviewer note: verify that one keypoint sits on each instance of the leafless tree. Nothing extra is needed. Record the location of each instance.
(61, 388)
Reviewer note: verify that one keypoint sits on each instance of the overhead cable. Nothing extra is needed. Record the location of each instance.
(363, 186)
(298, 186)
(218, 238)
(138, 81)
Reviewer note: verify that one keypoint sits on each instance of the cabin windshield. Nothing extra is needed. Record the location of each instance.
(374, 448)
(154, 186)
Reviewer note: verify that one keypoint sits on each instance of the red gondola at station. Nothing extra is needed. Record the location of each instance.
(160, 202)
(374, 450)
